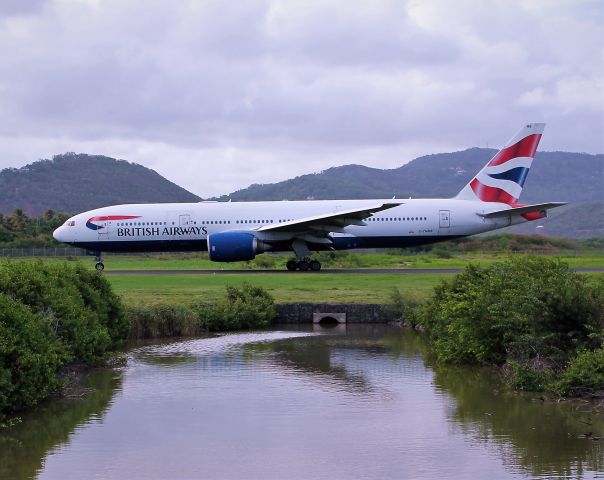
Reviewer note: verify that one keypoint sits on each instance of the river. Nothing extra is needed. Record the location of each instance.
(348, 402)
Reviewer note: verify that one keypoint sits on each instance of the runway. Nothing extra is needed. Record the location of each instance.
(327, 271)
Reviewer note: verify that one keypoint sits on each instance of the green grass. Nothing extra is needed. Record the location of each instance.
(285, 288)
(294, 287)
(198, 261)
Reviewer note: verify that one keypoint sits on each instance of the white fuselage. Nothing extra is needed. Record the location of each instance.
(186, 226)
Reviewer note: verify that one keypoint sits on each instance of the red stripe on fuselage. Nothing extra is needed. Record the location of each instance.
(524, 148)
(491, 194)
(113, 217)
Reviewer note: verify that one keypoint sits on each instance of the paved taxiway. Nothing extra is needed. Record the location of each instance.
(328, 271)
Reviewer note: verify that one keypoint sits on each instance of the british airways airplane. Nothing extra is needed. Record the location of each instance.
(236, 231)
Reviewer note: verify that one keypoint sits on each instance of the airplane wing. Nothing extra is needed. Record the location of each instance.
(538, 207)
(316, 228)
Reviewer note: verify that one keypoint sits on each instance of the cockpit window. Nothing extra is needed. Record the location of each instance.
(70, 223)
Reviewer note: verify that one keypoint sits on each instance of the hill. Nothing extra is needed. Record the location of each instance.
(574, 177)
(77, 182)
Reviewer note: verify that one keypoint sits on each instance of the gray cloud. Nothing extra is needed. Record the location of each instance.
(264, 90)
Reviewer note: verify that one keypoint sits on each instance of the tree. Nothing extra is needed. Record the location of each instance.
(49, 215)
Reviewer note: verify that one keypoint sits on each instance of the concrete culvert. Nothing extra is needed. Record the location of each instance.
(325, 321)
(329, 318)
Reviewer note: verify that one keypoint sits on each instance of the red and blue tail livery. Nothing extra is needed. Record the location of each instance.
(98, 223)
(502, 179)
(238, 231)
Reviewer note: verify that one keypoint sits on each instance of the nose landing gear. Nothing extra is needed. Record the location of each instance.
(100, 266)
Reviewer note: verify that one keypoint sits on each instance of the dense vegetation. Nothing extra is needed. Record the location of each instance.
(541, 320)
(17, 230)
(78, 182)
(243, 307)
(52, 315)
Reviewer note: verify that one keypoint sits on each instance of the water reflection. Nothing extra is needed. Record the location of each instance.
(546, 438)
(357, 402)
(24, 446)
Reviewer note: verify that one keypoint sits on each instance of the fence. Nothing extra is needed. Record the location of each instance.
(53, 252)
(42, 252)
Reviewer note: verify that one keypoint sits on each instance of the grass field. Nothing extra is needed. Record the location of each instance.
(294, 287)
(285, 288)
(198, 261)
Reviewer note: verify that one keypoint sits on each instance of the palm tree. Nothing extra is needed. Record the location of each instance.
(17, 220)
(49, 215)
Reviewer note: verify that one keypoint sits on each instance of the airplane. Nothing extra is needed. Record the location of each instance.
(238, 231)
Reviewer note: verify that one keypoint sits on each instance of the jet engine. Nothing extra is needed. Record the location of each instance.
(234, 246)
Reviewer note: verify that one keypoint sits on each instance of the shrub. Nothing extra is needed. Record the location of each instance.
(159, 321)
(30, 356)
(245, 307)
(262, 261)
(442, 252)
(51, 315)
(584, 375)
(522, 376)
(79, 305)
(404, 308)
(522, 308)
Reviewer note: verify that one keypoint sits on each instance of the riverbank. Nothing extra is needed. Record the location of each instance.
(55, 314)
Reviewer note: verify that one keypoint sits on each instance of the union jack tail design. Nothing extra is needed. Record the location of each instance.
(502, 179)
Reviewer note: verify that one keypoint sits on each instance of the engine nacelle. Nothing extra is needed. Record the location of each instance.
(234, 246)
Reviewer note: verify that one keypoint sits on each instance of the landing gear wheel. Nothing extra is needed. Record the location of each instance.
(291, 265)
(303, 266)
(99, 266)
(315, 265)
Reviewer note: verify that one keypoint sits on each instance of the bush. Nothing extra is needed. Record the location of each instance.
(522, 376)
(442, 252)
(519, 309)
(79, 304)
(246, 307)
(162, 321)
(584, 375)
(30, 356)
(51, 315)
(405, 308)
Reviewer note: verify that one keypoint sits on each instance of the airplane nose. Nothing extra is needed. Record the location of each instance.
(59, 234)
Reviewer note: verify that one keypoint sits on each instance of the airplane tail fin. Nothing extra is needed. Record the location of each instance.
(501, 180)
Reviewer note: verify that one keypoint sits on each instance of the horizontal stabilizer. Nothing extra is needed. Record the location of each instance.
(538, 207)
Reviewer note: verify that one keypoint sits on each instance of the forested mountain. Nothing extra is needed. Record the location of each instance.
(560, 176)
(76, 182)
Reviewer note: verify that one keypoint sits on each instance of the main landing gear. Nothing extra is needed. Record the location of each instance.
(304, 264)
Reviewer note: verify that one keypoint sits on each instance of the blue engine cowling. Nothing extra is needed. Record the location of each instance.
(233, 246)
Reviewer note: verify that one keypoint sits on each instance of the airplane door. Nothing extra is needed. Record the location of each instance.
(444, 219)
(184, 220)
(103, 230)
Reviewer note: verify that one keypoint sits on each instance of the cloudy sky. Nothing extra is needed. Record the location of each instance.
(216, 95)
